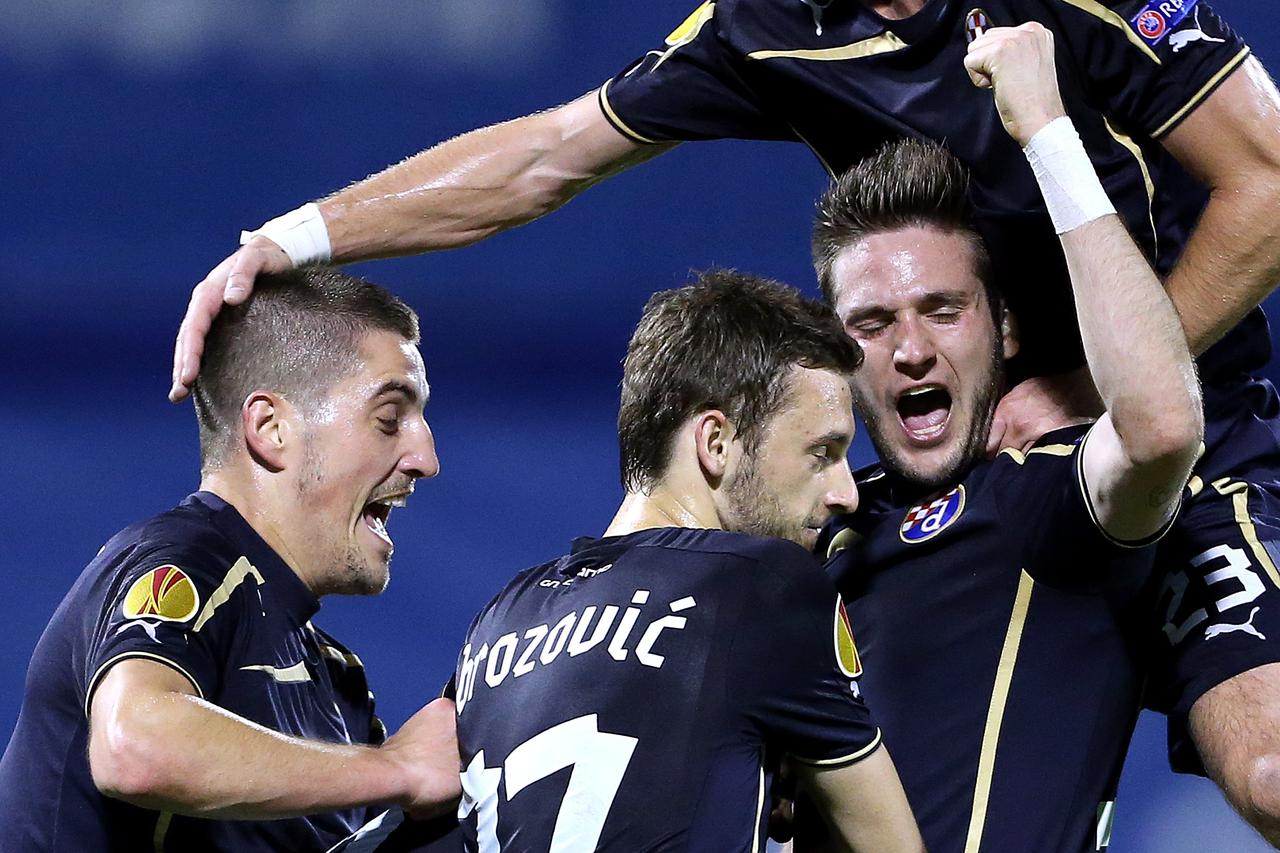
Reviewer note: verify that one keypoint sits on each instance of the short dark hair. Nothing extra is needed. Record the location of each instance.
(297, 335)
(728, 341)
(905, 183)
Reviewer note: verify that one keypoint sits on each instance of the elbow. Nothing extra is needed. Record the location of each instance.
(126, 763)
(1262, 797)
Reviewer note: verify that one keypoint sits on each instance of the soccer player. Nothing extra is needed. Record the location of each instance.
(1183, 127)
(623, 696)
(1015, 590)
(180, 697)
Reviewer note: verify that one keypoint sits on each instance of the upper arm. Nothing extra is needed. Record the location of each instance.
(864, 804)
(587, 145)
(1130, 503)
(128, 697)
(1232, 137)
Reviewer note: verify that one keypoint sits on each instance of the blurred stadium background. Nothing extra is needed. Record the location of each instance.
(143, 134)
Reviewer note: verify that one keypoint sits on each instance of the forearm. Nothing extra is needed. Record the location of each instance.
(478, 184)
(1230, 264)
(1133, 342)
(1231, 143)
(224, 766)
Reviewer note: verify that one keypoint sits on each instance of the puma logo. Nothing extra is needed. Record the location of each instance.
(148, 627)
(1182, 38)
(1227, 627)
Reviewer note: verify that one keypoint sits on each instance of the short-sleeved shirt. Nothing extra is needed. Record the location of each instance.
(625, 695)
(843, 80)
(197, 590)
(1001, 629)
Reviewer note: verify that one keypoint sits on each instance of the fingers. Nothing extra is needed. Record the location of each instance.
(995, 438)
(230, 282)
(206, 300)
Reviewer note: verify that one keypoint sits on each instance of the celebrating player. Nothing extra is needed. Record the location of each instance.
(1183, 128)
(180, 698)
(1031, 570)
(658, 664)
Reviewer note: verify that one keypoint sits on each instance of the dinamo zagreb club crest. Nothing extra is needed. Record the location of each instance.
(164, 593)
(925, 521)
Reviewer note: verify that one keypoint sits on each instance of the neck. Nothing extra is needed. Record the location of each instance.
(895, 10)
(663, 507)
(253, 503)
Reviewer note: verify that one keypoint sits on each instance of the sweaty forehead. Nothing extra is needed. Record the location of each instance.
(894, 268)
(391, 363)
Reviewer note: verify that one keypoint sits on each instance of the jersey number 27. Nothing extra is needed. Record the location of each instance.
(599, 760)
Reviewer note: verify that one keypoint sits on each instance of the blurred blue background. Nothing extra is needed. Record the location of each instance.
(143, 134)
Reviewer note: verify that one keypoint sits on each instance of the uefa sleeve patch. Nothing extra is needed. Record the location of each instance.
(846, 650)
(164, 593)
(1155, 20)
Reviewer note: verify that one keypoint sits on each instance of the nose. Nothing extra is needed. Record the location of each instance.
(913, 350)
(419, 458)
(842, 497)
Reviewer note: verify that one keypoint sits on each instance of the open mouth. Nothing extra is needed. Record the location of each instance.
(924, 412)
(376, 513)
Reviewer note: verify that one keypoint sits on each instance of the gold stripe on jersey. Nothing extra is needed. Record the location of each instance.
(1048, 450)
(123, 656)
(1132, 147)
(283, 674)
(607, 108)
(162, 829)
(995, 712)
(1102, 13)
(843, 759)
(1240, 503)
(236, 575)
(1202, 94)
(886, 42)
(1195, 485)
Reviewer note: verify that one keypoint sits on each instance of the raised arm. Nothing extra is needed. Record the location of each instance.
(454, 194)
(864, 805)
(228, 767)
(1139, 455)
(1231, 142)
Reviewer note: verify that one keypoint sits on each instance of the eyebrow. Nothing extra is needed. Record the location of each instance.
(397, 386)
(835, 436)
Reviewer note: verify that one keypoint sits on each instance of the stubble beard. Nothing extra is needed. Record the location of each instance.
(957, 464)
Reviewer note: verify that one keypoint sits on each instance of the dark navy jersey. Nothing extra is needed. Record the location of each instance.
(624, 696)
(195, 589)
(1001, 630)
(843, 80)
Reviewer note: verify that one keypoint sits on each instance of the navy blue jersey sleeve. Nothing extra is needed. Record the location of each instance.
(1147, 64)
(693, 86)
(1049, 517)
(175, 606)
(797, 665)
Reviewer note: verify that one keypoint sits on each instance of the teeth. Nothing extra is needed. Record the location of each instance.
(920, 390)
(379, 529)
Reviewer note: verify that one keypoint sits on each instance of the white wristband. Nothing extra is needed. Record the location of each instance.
(1070, 186)
(301, 233)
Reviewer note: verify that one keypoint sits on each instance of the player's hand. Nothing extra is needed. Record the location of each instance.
(1043, 404)
(1017, 62)
(426, 749)
(231, 282)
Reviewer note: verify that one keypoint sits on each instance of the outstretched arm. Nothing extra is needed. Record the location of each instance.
(451, 195)
(1139, 455)
(229, 767)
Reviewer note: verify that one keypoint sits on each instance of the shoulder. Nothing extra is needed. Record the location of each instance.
(1061, 444)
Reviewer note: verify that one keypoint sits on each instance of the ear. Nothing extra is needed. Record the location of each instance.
(269, 429)
(1008, 333)
(713, 437)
